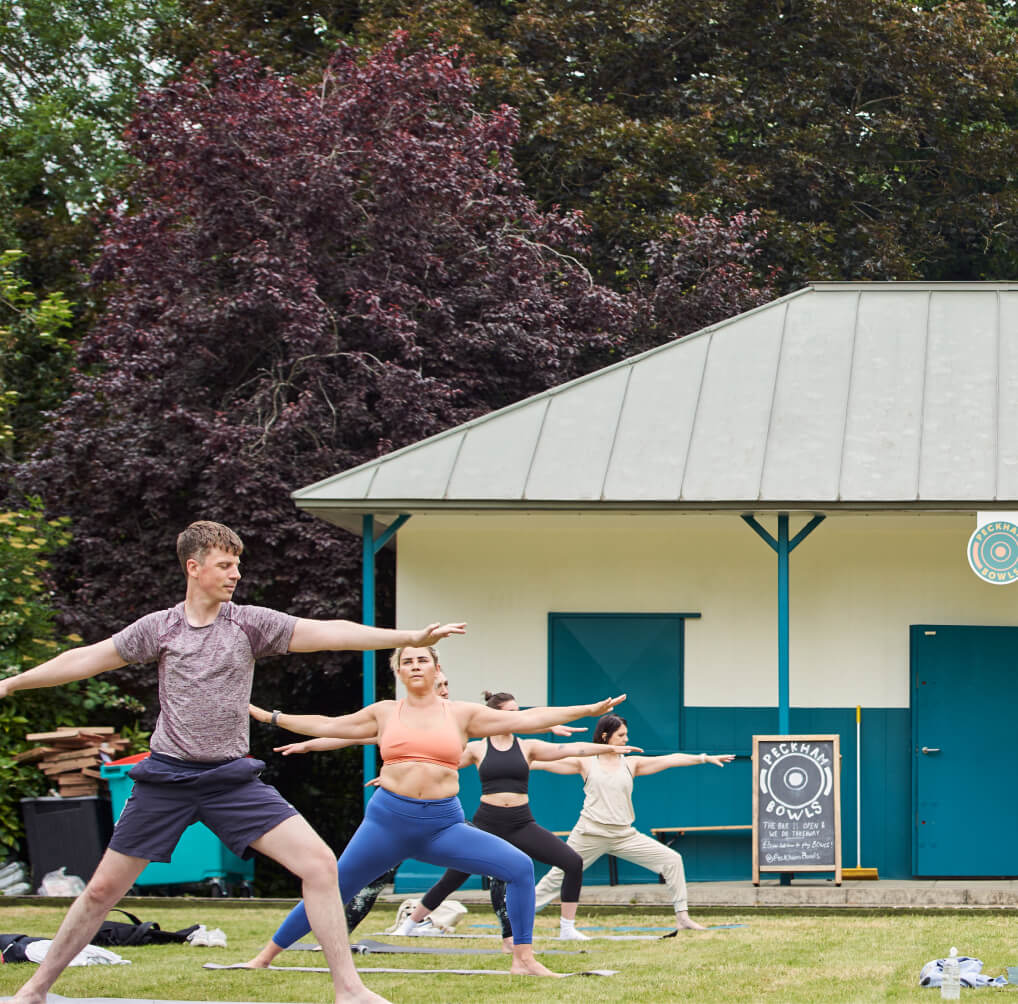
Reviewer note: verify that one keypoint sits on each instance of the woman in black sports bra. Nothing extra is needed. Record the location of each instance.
(503, 763)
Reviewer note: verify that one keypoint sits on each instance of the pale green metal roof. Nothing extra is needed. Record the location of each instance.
(841, 395)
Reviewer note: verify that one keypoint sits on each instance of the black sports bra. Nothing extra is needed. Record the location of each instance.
(504, 770)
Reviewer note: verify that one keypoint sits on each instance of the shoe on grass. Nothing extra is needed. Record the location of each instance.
(572, 934)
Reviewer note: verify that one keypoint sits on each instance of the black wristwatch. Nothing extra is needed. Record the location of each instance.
(274, 720)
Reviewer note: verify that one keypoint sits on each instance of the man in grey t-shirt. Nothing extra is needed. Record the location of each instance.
(206, 648)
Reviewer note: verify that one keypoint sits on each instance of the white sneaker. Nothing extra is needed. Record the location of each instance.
(216, 938)
(572, 934)
(199, 938)
(424, 929)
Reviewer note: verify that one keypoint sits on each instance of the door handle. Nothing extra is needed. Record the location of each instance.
(931, 749)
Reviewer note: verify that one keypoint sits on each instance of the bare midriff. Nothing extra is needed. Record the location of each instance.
(506, 799)
(416, 779)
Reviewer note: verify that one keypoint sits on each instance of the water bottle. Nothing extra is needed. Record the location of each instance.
(950, 985)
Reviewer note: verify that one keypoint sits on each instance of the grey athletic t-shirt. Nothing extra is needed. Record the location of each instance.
(205, 674)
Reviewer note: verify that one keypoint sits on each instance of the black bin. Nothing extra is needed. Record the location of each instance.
(66, 832)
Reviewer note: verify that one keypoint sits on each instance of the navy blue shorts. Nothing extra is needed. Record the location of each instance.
(169, 795)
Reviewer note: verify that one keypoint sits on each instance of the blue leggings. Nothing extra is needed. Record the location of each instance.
(431, 830)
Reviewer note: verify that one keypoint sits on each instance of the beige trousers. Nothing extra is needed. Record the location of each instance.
(630, 845)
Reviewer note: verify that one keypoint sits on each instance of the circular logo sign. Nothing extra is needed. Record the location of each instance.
(796, 780)
(993, 552)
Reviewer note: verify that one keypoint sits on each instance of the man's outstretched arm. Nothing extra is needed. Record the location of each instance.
(332, 636)
(73, 664)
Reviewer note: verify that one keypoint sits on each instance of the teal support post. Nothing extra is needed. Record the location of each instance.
(784, 726)
(370, 546)
(783, 547)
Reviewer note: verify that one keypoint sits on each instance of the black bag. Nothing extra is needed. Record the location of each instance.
(116, 934)
(12, 947)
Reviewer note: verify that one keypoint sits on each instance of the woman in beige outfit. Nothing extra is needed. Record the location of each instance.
(605, 825)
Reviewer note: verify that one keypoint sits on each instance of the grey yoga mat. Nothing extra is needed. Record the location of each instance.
(387, 969)
(368, 946)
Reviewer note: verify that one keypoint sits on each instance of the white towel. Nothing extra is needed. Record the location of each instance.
(90, 955)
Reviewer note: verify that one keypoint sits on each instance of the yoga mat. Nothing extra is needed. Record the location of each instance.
(537, 937)
(594, 927)
(57, 999)
(435, 972)
(437, 934)
(715, 927)
(368, 946)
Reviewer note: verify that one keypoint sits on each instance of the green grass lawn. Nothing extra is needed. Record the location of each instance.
(830, 956)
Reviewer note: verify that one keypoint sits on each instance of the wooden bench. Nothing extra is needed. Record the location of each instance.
(666, 834)
(681, 831)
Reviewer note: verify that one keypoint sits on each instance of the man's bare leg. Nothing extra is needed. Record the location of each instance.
(296, 846)
(113, 877)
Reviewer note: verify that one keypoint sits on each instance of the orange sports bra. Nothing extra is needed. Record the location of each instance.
(401, 743)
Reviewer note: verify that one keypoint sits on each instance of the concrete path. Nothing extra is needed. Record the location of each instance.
(877, 894)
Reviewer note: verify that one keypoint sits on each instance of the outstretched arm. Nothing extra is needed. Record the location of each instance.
(74, 664)
(485, 721)
(537, 750)
(361, 725)
(321, 636)
(656, 764)
(322, 745)
(571, 765)
(566, 730)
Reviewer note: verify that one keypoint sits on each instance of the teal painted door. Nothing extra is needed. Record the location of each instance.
(592, 656)
(964, 691)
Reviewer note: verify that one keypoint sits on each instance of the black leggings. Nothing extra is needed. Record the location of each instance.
(515, 825)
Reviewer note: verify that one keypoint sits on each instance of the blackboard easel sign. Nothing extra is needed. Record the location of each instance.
(796, 805)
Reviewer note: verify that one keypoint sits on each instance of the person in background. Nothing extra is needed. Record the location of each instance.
(361, 905)
(606, 820)
(415, 812)
(503, 762)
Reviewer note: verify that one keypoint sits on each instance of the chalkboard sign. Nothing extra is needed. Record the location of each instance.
(796, 805)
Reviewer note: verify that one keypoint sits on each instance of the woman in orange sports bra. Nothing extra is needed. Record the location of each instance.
(415, 813)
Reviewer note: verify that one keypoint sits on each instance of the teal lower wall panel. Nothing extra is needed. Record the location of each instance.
(713, 796)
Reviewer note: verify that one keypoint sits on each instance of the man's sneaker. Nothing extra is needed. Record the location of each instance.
(572, 934)
(216, 938)
(199, 938)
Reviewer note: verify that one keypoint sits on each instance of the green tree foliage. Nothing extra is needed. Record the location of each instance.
(298, 36)
(69, 78)
(70, 73)
(34, 356)
(875, 137)
(28, 636)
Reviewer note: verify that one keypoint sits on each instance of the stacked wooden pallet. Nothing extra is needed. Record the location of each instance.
(71, 757)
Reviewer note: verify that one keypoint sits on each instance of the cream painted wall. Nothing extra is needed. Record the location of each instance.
(856, 584)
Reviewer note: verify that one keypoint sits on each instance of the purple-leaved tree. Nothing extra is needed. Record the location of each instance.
(299, 280)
